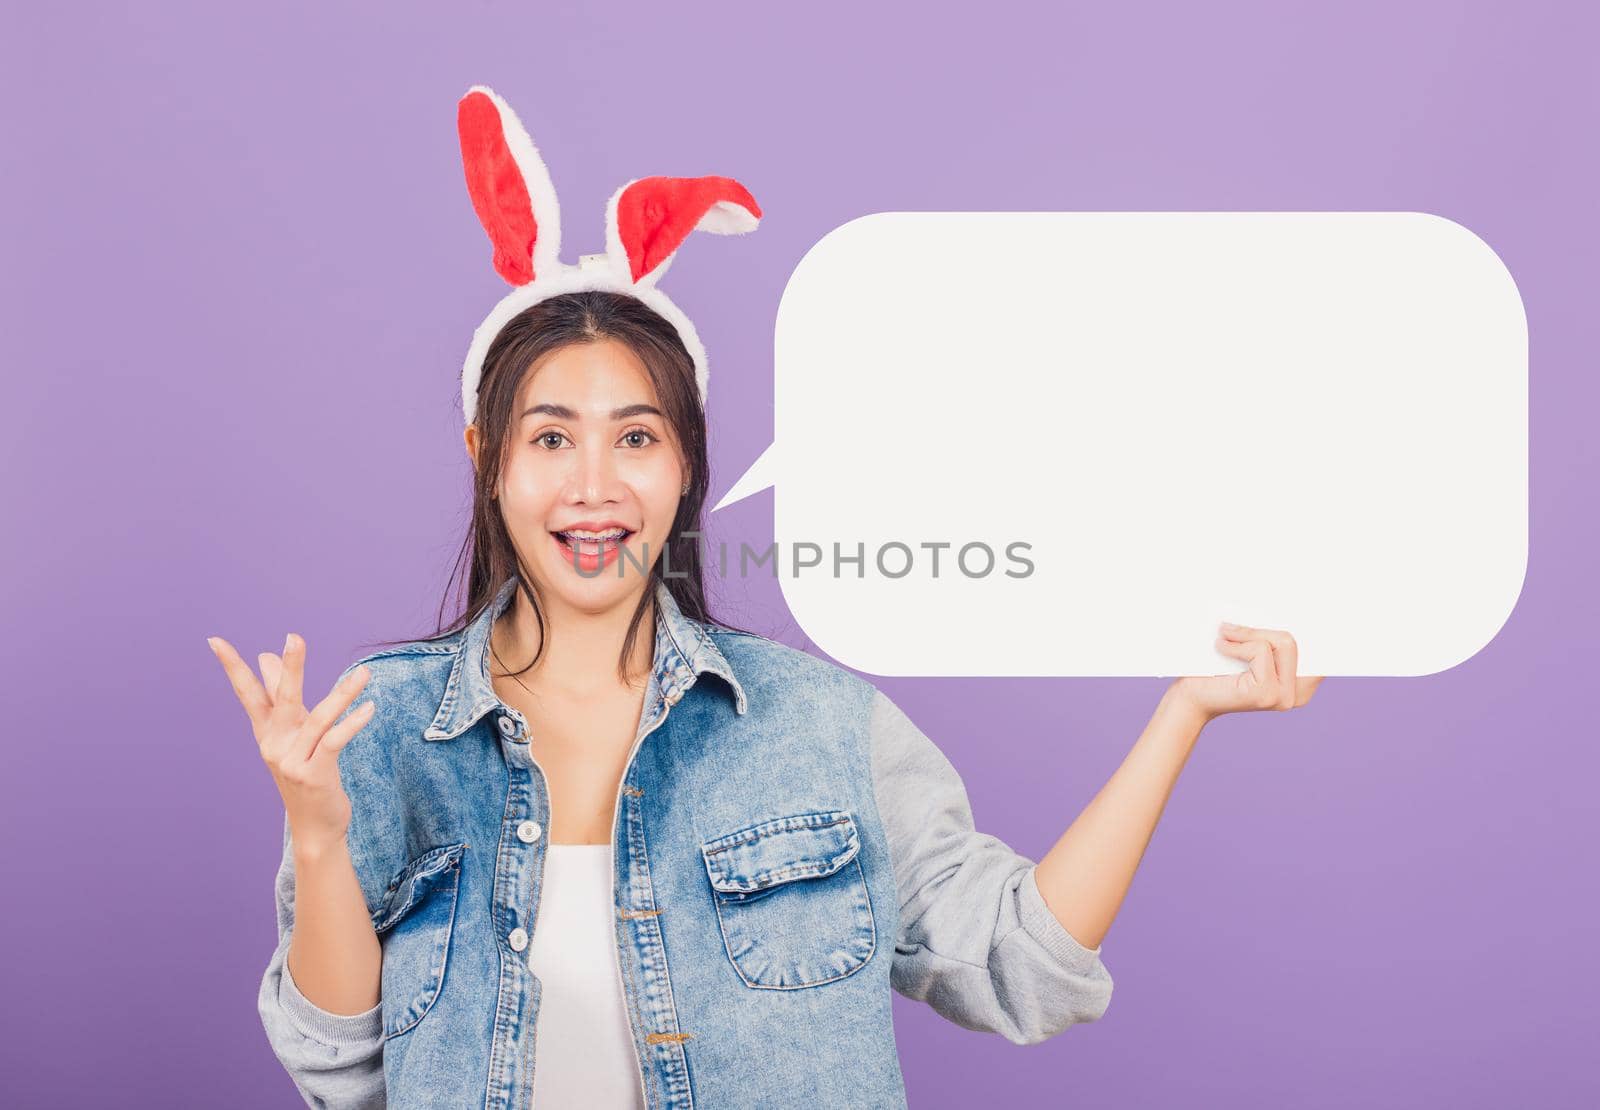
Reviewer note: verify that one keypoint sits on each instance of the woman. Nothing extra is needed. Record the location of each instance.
(590, 847)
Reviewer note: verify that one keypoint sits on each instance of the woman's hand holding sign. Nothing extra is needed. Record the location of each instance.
(1269, 683)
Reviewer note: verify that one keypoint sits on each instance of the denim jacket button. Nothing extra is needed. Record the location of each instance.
(528, 832)
(518, 939)
(508, 727)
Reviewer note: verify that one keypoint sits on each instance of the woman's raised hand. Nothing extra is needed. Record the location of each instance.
(1271, 682)
(300, 747)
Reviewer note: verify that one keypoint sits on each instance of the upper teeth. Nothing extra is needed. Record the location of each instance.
(609, 534)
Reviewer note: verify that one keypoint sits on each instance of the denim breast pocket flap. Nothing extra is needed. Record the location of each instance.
(805, 846)
(791, 899)
(414, 920)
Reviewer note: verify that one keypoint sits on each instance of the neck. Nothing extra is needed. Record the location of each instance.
(583, 646)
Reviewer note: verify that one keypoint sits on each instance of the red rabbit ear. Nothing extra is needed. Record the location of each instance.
(509, 186)
(649, 218)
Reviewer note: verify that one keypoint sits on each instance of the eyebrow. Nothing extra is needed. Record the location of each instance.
(562, 412)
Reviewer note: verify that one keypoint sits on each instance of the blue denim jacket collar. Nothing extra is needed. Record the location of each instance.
(683, 652)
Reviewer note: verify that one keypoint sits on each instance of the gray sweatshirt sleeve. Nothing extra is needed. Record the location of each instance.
(976, 940)
(336, 1060)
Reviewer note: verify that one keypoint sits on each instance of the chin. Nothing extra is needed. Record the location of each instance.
(593, 595)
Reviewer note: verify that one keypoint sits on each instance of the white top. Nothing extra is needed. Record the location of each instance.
(583, 1051)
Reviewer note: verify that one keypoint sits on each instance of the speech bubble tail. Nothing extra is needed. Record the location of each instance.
(762, 473)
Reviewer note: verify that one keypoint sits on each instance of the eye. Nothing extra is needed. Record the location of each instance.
(645, 432)
(542, 440)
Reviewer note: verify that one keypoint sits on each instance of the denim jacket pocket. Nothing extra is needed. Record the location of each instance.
(792, 900)
(414, 921)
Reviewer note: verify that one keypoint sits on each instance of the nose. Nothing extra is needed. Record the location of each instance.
(594, 475)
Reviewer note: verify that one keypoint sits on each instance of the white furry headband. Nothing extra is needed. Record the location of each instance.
(646, 221)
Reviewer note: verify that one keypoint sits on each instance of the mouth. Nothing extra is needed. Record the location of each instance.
(590, 550)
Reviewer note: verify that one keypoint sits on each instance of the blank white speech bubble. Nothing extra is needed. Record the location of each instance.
(1315, 421)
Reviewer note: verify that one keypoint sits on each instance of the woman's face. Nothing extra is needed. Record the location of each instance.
(589, 452)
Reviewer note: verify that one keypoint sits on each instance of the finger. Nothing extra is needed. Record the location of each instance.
(271, 669)
(1258, 653)
(1288, 655)
(1305, 686)
(1285, 651)
(250, 692)
(1229, 647)
(328, 709)
(1241, 632)
(1249, 632)
(1266, 666)
(334, 740)
(291, 680)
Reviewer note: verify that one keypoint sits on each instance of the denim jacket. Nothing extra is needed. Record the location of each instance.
(787, 847)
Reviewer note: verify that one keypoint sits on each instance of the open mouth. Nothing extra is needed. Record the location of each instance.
(588, 550)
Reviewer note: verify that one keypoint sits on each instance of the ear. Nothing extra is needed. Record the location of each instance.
(649, 218)
(509, 186)
(474, 445)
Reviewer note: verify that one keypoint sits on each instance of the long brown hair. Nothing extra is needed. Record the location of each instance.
(486, 551)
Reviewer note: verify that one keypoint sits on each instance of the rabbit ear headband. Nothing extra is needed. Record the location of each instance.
(646, 221)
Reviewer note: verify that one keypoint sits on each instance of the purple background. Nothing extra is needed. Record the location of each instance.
(241, 273)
